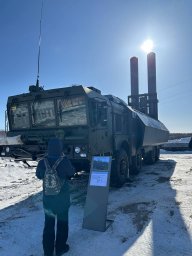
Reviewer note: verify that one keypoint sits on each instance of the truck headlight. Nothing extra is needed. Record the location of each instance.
(83, 155)
(7, 149)
(77, 150)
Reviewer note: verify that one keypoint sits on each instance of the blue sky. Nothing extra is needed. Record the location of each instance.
(90, 42)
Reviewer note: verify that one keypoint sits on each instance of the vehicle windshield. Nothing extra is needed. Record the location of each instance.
(72, 111)
(19, 116)
(43, 113)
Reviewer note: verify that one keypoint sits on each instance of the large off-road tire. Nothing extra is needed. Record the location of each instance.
(150, 157)
(120, 169)
(136, 163)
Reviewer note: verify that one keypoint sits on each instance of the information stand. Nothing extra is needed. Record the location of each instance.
(95, 213)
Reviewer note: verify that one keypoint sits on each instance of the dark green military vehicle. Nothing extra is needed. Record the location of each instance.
(89, 124)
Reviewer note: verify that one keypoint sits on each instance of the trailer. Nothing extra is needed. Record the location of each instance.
(182, 144)
(89, 124)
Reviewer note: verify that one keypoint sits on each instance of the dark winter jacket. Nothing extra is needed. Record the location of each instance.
(57, 203)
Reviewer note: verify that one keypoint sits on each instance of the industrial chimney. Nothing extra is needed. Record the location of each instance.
(151, 66)
(134, 82)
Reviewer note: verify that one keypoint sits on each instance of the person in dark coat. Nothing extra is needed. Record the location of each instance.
(56, 207)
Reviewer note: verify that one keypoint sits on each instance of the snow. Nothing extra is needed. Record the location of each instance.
(15, 140)
(152, 212)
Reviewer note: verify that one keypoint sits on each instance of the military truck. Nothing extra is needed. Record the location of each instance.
(89, 124)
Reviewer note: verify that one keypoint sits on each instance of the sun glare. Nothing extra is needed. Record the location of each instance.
(147, 46)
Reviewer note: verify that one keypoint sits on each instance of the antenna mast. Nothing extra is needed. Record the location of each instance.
(39, 50)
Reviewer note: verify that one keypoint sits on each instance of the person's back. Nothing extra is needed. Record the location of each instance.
(55, 205)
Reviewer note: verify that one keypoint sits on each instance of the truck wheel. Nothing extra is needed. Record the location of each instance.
(120, 169)
(136, 163)
(150, 157)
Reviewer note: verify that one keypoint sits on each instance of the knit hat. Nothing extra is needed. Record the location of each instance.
(55, 147)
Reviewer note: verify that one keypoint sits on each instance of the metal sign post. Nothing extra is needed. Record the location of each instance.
(95, 213)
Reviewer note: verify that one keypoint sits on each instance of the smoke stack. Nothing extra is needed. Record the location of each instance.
(134, 81)
(134, 76)
(151, 66)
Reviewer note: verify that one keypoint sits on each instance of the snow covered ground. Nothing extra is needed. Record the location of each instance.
(152, 213)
